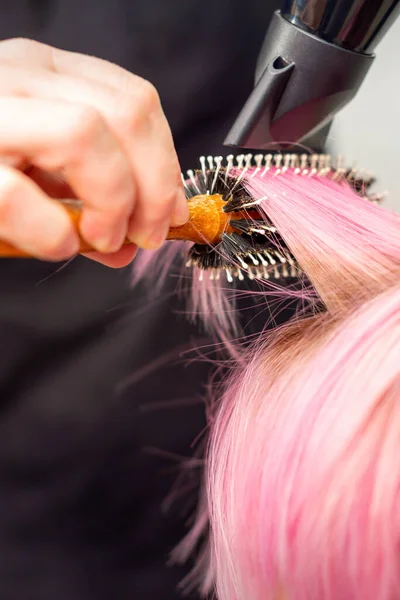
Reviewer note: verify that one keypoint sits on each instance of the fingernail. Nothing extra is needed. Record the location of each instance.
(180, 215)
(107, 243)
(157, 238)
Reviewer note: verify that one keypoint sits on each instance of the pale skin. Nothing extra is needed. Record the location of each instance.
(74, 126)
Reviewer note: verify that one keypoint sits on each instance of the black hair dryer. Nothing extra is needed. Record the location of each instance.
(314, 58)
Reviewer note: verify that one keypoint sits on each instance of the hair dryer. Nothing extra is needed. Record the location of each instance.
(314, 59)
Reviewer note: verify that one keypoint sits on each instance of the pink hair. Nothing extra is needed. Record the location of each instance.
(348, 247)
(302, 479)
(303, 476)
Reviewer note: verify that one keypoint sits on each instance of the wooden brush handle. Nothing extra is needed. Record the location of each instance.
(206, 224)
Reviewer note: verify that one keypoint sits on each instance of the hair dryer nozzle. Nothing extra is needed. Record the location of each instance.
(302, 81)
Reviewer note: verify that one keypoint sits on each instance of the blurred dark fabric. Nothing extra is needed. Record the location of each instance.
(81, 491)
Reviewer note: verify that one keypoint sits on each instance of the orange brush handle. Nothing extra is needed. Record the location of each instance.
(206, 224)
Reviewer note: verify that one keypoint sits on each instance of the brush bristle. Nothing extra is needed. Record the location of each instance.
(256, 249)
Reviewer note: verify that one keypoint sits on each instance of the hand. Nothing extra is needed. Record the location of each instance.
(74, 126)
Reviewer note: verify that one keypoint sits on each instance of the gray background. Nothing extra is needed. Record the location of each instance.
(367, 132)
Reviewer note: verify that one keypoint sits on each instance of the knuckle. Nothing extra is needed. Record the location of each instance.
(86, 125)
(148, 96)
(136, 108)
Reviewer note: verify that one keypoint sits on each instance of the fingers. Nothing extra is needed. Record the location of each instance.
(33, 222)
(57, 136)
(161, 201)
(133, 111)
